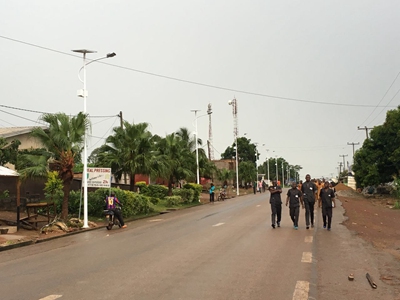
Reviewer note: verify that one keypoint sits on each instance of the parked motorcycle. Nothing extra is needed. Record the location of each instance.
(112, 220)
(222, 196)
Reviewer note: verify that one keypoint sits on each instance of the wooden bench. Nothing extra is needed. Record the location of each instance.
(32, 211)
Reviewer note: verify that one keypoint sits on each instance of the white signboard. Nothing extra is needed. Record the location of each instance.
(99, 177)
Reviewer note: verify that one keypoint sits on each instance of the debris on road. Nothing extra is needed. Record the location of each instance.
(371, 281)
(351, 277)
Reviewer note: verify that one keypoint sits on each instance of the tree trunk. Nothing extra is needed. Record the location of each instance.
(170, 183)
(132, 182)
(66, 190)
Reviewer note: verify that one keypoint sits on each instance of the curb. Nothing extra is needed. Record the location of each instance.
(17, 245)
(27, 243)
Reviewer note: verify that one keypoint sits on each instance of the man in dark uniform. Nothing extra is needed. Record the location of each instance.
(294, 198)
(309, 189)
(327, 197)
(276, 204)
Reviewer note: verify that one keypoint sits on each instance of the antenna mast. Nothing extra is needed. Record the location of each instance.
(235, 119)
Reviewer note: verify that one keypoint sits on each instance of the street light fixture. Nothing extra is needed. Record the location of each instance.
(83, 93)
(197, 148)
(196, 141)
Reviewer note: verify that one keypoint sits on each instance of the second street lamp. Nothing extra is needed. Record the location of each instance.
(83, 93)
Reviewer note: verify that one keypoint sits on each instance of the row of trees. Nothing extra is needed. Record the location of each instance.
(131, 149)
(378, 160)
(248, 157)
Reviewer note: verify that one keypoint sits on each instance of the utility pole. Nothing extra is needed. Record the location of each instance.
(366, 130)
(353, 144)
(340, 169)
(121, 120)
(344, 163)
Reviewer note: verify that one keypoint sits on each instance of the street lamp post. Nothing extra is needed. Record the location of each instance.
(197, 148)
(196, 141)
(83, 93)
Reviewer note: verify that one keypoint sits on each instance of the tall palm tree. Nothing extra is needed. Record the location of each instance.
(176, 158)
(63, 141)
(184, 134)
(129, 150)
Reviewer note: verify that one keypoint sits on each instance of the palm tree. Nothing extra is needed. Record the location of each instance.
(176, 158)
(129, 151)
(63, 141)
(206, 167)
(224, 175)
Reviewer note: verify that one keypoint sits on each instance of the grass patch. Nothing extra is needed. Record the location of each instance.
(396, 204)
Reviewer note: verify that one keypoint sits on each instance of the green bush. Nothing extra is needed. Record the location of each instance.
(142, 187)
(155, 190)
(154, 200)
(133, 203)
(187, 195)
(197, 188)
(4, 194)
(173, 200)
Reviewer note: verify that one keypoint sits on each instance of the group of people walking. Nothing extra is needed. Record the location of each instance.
(303, 195)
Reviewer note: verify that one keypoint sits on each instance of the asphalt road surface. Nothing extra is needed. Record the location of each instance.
(223, 251)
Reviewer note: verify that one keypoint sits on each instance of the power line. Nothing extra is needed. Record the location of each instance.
(38, 122)
(43, 112)
(382, 98)
(23, 109)
(384, 107)
(194, 82)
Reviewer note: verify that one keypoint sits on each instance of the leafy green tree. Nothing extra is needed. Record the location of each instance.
(378, 160)
(8, 151)
(246, 151)
(247, 171)
(129, 150)
(206, 167)
(176, 159)
(63, 141)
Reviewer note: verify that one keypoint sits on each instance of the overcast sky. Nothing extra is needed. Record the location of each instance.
(341, 52)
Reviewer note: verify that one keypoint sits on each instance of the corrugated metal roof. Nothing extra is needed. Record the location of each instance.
(7, 132)
(7, 172)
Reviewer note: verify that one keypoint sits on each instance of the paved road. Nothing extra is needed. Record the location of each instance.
(223, 251)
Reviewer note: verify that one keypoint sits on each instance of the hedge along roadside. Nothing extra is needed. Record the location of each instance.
(197, 188)
(141, 203)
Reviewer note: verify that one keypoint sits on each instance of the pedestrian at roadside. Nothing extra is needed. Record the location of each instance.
(294, 199)
(264, 185)
(211, 191)
(320, 186)
(276, 204)
(260, 186)
(309, 190)
(332, 187)
(255, 187)
(299, 185)
(327, 196)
